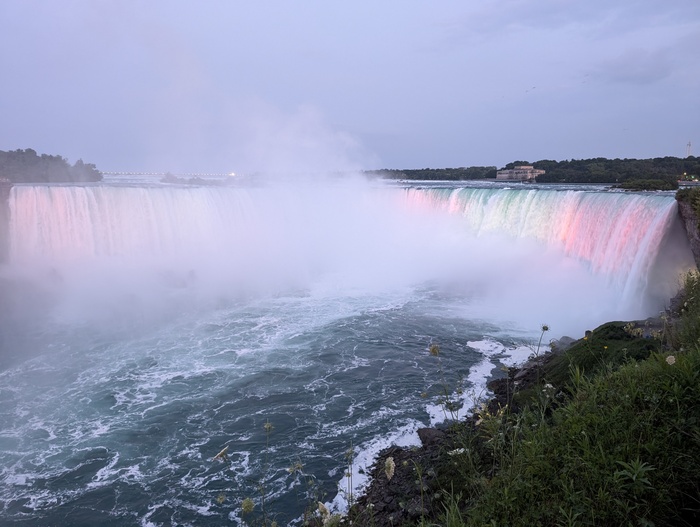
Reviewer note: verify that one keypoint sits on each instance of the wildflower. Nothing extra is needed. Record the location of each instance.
(323, 510)
(268, 427)
(434, 350)
(220, 498)
(223, 455)
(296, 467)
(247, 505)
(457, 451)
(545, 328)
(671, 360)
(389, 467)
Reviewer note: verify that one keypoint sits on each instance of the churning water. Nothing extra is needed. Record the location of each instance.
(148, 327)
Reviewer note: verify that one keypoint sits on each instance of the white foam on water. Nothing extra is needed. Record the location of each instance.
(104, 475)
(19, 479)
(519, 355)
(131, 473)
(495, 355)
(363, 458)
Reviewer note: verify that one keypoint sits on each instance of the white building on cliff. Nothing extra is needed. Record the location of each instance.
(519, 173)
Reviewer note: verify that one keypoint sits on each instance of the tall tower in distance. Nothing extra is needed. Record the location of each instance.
(688, 150)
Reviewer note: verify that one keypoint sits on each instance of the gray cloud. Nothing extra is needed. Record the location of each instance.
(636, 66)
(170, 85)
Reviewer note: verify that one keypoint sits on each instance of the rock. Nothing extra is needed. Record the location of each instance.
(561, 344)
(430, 436)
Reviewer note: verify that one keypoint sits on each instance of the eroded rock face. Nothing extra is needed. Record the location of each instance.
(690, 222)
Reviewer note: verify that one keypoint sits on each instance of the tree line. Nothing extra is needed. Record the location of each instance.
(26, 166)
(436, 174)
(595, 170)
(602, 170)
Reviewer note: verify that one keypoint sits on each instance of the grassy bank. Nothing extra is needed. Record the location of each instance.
(606, 432)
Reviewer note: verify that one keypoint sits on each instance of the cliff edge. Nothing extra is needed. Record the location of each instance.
(688, 207)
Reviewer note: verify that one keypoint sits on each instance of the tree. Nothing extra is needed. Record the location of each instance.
(25, 166)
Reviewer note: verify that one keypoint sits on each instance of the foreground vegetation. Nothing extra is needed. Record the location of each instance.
(622, 448)
(604, 433)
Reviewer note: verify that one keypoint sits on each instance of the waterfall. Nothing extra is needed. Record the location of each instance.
(276, 239)
(629, 237)
(68, 222)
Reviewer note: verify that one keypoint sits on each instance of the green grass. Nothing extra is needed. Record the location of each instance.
(612, 344)
(611, 436)
(608, 346)
(625, 449)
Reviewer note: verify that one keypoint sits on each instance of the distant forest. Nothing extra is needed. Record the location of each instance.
(26, 166)
(437, 174)
(597, 170)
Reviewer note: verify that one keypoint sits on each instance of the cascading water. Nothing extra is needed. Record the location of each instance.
(619, 235)
(146, 328)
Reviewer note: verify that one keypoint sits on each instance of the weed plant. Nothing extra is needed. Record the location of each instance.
(624, 451)
(611, 436)
(448, 398)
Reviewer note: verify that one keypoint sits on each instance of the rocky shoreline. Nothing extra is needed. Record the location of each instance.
(410, 493)
(413, 492)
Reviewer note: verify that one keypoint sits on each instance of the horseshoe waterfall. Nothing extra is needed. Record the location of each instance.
(146, 328)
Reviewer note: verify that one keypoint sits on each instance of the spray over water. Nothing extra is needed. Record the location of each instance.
(170, 322)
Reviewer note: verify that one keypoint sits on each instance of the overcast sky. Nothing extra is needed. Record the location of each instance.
(220, 86)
